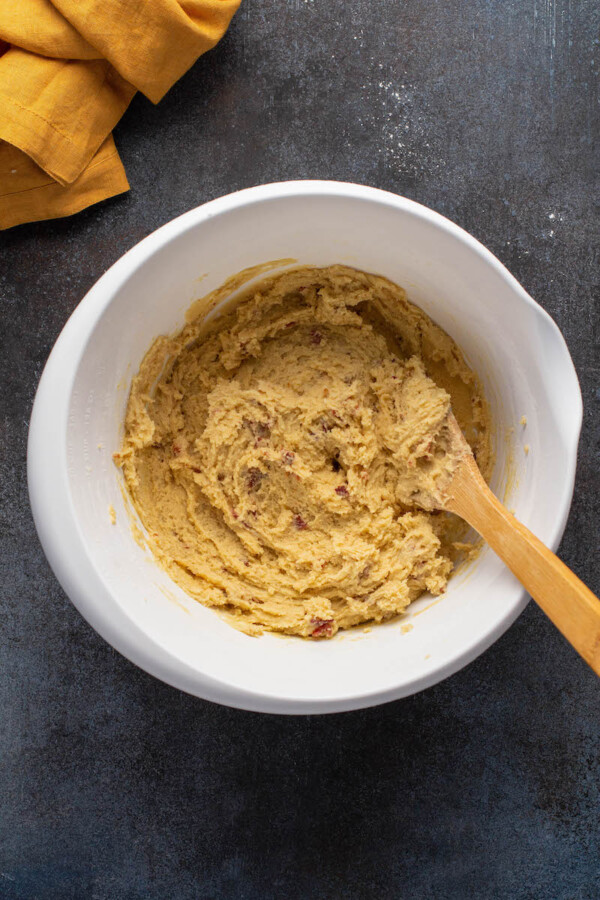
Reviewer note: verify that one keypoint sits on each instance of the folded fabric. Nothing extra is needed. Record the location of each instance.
(28, 194)
(68, 71)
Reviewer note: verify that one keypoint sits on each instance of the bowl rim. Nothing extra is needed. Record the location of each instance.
(63, 545)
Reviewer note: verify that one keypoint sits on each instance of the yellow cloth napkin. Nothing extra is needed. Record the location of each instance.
(68, 71)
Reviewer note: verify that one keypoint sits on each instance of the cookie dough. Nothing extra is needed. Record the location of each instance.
(279, 456)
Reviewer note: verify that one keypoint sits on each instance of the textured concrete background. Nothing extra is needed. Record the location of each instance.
(113, 785)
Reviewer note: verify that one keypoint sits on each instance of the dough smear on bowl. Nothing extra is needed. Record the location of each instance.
(279, 456)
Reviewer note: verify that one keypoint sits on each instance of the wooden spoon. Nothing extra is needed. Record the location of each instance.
(563, 597)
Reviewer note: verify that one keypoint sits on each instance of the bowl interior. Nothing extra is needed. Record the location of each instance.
(514, 347)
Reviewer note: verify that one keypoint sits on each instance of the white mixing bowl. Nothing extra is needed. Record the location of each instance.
(77, 422)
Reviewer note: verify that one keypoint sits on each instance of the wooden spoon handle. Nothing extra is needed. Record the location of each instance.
(573, 608)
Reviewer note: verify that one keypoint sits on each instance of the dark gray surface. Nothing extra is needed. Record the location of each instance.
(113, 785)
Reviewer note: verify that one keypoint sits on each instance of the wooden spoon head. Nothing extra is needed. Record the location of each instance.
(465, 481)
(435, 483)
